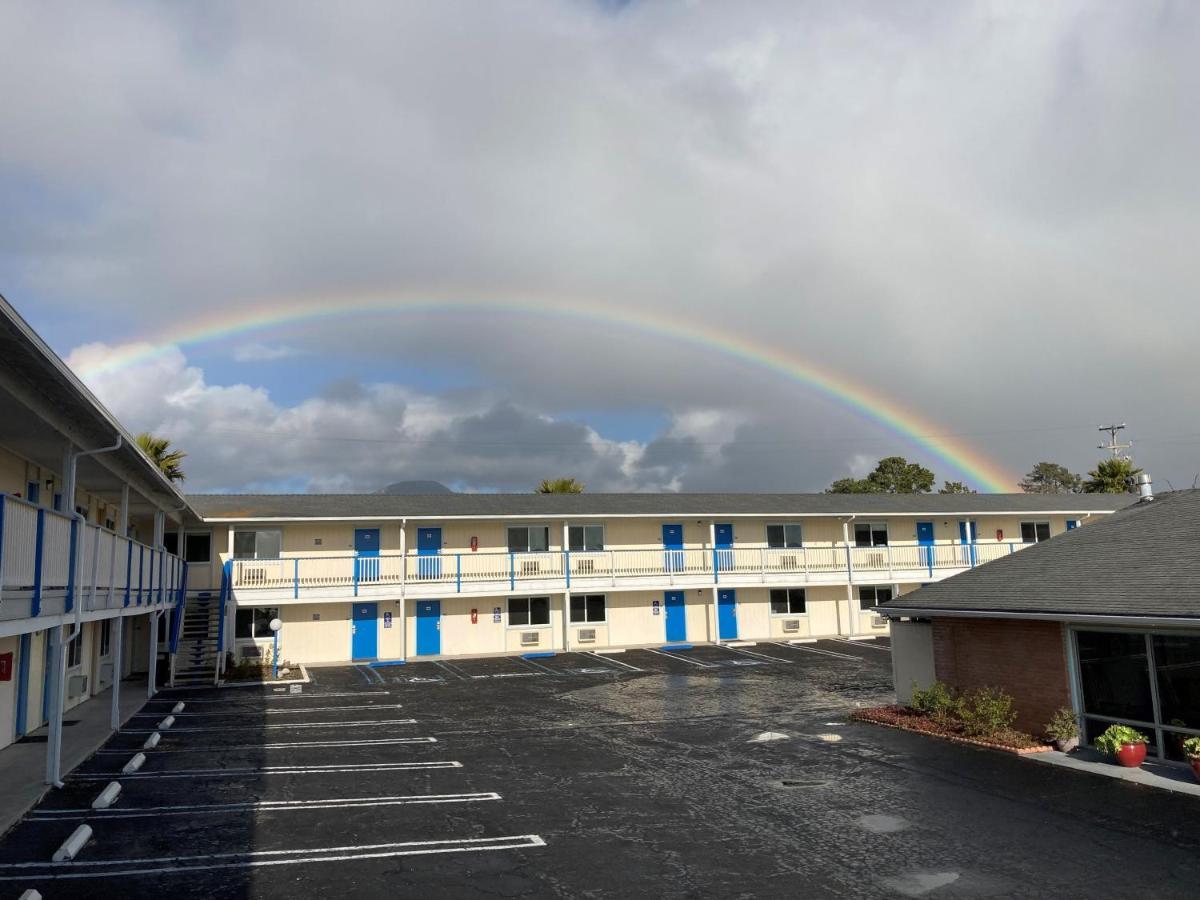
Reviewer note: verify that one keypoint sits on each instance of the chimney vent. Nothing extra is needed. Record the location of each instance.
(1145, 492)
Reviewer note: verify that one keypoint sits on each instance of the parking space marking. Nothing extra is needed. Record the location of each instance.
(379, 742)
(759, 655)
(682, 658)
(806, 649)
(279, 712)
(367, 723)
(145, 812)
(446, 667)
(170, 865)
(310, 696)
(542, 670)
(279, 770)
(618, 662)
(369, 674)
(869, 644)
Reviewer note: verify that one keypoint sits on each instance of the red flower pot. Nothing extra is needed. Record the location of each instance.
(1195, 761)
(1132, 755)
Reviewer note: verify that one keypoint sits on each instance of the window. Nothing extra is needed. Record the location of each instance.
(105, 637)
(868, 534)
(197, 548)
(255, 622)
(872, 595)
(1035, 532)
(171, 542)
(75, 649)
(585, 538)
(587, 608)
(529, 611)
(787, 602)
(257, 544)
(782, 536)
(33, 492)
(528, 538)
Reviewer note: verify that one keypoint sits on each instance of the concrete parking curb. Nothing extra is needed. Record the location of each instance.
(152, 741)
(239, 684)
(135, 763)
(72, 845)
(108, 796)
(166, 723)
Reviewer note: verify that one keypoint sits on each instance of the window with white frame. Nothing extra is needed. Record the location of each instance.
(105, 637)
(784, 535)
(255, 622)
(257, 544)
(587, 608)
(528, 611)
(870, 534)
(1035, 532)
(528, 538)
(585, 538)
(788, 602)
(75, 649)
(873, 595)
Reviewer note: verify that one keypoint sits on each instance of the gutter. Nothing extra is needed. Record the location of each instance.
(893, 612)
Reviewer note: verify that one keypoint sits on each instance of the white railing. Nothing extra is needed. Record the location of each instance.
(39, 575)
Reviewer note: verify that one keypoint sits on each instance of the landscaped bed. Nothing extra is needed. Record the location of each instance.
(910, 720)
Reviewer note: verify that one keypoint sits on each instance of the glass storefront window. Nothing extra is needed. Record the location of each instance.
(1115, 675)
(1177, 664)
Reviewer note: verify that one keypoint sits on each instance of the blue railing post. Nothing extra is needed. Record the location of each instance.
(716, 567)
(141, 572)
(39, 544)
(567, 566)
(69, 603)
(458, 572)
(512, 570)
(180, 602)
(355, 561)
(128, 570)
(296, 578)
(226, 590)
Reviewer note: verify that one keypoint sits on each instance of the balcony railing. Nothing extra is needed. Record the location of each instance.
(475, 572)
(49, 562)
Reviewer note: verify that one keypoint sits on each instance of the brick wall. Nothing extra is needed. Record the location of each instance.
(1026, 659)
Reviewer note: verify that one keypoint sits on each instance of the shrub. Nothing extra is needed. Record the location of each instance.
(987, 711)
(937, 701)
(1117, 736)
(1191, 748)
(1063, 725)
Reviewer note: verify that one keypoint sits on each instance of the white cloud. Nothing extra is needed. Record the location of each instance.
(257, 351)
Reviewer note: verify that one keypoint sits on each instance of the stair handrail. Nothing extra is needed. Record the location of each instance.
(180, 609)
(226, 589)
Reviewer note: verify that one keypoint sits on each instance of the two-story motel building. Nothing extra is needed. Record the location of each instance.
(379, 577)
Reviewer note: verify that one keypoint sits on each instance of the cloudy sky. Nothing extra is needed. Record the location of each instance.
(985, 212)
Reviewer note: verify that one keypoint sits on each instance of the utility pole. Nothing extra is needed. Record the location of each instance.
(1113, 446)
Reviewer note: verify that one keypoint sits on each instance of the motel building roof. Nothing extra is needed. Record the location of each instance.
(1140, 566)
(377, 507)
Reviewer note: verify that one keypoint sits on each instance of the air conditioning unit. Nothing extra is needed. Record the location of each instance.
(878, 622)
(106, 670)
(530, 567)
(791, 626)
(586, 635)
(530, 638)
(77, 685)
(585, 567)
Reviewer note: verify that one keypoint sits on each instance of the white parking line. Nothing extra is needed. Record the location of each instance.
(145, 812)
(370, 674)
(759, 655)
(281, 712)
(863, 644)
(369, 722)
(619, 662)
(446, 667)
(806, 649)
(542, 670)
(171, 865)
(309, 696)
(683, 658)
(380, 742)
(279, 770)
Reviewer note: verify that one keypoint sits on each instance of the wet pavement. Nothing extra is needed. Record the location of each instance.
(702, 772)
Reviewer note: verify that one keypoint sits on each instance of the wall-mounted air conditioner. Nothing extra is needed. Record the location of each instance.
(77, 685)
(586, 635)
(878, 622)
(106, 669)
(530, 638)
(791, 626)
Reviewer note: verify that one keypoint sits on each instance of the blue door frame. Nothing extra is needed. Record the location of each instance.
(723, 545)
(673, 543)
(727, 629)
(962, 537)
(429, 545)
(925, 541)
(364, 639)
(366, 548)
(676, 617)
(429, 627)
(23, 682)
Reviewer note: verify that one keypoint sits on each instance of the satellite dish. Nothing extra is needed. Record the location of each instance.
(275, 625)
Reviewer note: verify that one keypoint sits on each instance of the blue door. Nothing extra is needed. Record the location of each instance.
(23, 681)
(925, 541)
(364, 638)
(429, 545)
(723, 543)
(429, 627)
(962, 537)
(1072, 524)
(676, 617)
(673, 544)
(727, 615)
(366, 547)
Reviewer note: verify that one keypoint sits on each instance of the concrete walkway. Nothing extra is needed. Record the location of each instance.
(23, 764)
(1153, 773)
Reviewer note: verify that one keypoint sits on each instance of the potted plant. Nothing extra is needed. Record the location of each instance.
(1191, 749)
(1126, 744)
(1063, 729)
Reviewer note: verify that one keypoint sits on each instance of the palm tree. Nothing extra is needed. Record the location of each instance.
(560, 486)
(1112, 476)
(160, 453)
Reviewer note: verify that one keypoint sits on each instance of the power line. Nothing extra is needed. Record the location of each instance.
(1112, 444)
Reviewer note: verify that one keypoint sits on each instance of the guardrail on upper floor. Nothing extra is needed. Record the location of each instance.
(51, 561)
(319, 575)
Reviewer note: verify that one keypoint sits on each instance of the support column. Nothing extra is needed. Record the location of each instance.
(849, 583)
(123, 520)
(714, 619)
(403, 588)
(566, 558)
(566, 635)
(58, 692)
(118, 662)
(152, 676)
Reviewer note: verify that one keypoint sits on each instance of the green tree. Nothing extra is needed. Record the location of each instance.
(560, 486)
(893, 475)
(160, 453)
(1051, 478)
(1113, 476)
(955, 487)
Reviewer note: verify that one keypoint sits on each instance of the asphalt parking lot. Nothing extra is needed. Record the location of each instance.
(644, 773)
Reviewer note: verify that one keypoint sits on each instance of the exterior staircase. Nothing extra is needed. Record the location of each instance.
(196, 657)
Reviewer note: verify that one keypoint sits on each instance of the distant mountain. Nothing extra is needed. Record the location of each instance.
(401, 488)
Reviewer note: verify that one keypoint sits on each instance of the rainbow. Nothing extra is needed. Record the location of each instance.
(967, 462)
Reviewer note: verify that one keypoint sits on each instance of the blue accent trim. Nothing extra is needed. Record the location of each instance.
(128, 571)
(355, 561)
(567, 567)
(296, 578)
(512, 570)
(458, 572)
(384, 663)
(36, 605)
(716, 567)
(69, 602)
(180, 603)
(543, 655)
(677, 647)
(141, 572)
(226, 589)
(23, 682)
